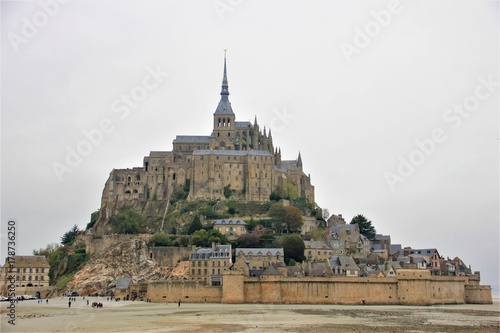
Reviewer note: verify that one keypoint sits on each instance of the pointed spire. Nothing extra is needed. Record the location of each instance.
(225, 85)
(299, 161)
(224, 106)
(255, 121)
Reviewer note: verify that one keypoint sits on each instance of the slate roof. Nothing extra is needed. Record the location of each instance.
(30, 261)
(123, 283)
(287, 165)
(319, 269)
(205, 253)
(424, 252)
(380, 237)
(158, 153)
(396, 248)
(224, 107)
(271, 270)
(317, 245)
(348, 263)
(229, 222)
(345, 262)
(233, 152)
(244, 124)
(263, 251)
(294, 271)
(192, 139)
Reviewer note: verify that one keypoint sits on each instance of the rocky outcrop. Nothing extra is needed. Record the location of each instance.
(127, 259)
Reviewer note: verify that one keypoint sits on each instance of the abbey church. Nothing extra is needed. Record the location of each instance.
(237, 155)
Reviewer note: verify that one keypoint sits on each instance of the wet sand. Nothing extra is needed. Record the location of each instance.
(195, 317)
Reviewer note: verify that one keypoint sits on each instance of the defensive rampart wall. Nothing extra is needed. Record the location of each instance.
(410, 287)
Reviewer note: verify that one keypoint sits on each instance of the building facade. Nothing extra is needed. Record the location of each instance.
(230, 228)
(29, 271)
(237, 155)
(208, 264)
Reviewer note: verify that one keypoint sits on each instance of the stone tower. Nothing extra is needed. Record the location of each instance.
(224, 129)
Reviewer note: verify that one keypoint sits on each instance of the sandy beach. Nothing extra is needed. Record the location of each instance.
(137, 316)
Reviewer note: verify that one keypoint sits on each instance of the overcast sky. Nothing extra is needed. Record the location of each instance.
(393, 106)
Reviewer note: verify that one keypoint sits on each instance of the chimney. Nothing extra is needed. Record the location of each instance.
(213, 246)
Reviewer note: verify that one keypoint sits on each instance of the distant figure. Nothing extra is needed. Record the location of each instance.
(69, 303)
(47, 301)
(179, 304)
(87, 302)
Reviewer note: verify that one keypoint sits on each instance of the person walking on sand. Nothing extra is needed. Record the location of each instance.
(69, 303)
(179, 304)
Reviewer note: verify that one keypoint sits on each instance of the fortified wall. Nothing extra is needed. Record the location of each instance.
(409, 287)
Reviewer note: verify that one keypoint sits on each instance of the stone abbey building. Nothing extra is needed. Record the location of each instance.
(236, 155)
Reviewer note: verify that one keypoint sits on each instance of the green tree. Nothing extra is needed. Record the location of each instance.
(160, 239)
(248, 240)
(293, 192)
(365, 226)
(319, 234)
(288, 217)
(293, 218)
(294, 248)
(200, 238)
(183, 241)
(70, 235)
(49, 249)
(267, 240)
(274, 196)
(195, 225)
(277, 213)
(126, 221)
(227, 191)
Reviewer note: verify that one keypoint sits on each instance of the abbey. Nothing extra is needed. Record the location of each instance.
(237, 156)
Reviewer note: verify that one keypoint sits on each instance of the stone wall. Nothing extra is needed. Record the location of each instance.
(44, 291)
(169, 256)
(98, 245)
(410, 287)
(475, 294)
(188, 291)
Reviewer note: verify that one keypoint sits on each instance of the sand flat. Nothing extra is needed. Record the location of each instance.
(208, 317)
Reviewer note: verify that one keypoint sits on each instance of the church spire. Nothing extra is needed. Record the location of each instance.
(224, 107)
(225, 85)
(299, 161)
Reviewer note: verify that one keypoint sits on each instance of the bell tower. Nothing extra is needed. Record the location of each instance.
(224, 130)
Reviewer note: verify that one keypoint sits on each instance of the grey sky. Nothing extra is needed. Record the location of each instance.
(353, 116)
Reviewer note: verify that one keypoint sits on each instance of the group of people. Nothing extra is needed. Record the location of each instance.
(41, 301)
(96, 304)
